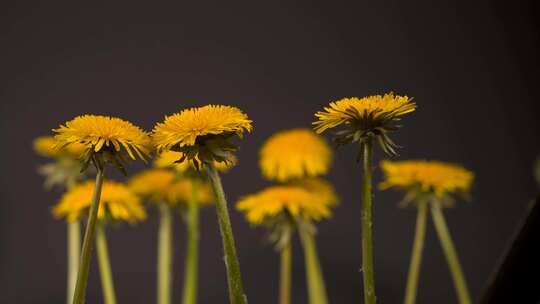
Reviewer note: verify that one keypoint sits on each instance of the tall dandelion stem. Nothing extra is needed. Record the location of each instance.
(416, 257)
(450, 253)
(234, 278)
(192, 256)
(285, 274)
(82, 277)
(74, 254)
(366, 219)
(314, 276)
(105, 271)
(164, 263)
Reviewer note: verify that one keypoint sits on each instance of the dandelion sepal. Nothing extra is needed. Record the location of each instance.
(234, 278)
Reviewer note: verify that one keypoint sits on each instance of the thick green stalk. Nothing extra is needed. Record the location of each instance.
(164, 263)
(285, 274)
(107, 285)
(192, 256)
(366, 219)
(89, 235)
(416, 257)
(234, 277)
(314, 276)
(74, 254)
(450, 253)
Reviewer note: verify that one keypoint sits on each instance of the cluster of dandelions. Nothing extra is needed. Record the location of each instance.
(192, 146)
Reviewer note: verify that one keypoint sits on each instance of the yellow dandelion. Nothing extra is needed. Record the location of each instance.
(273, 201)
(47, 146)
(366, 118)
(202, 133)
(168, 159)
(160, 185)
(294, 154)
(117, 201)
(427, 176)
(105, 134)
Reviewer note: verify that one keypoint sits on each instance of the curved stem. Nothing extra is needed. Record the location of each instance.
(285, 274)
(107, 285)
(416, 257)
(164, 263)
(192, 256)
(366, 219)
(450, 253)
(84, 267)
(234, 277)
(74, 254)
(314, 276)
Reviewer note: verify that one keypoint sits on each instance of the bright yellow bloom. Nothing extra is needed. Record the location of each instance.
(350, 110)
(161, 185)
(116, 200)
(168, 159)
(48, 146)
(297, 200)
(184, 128)
(103, 133)
(294, 154)
(427, 176)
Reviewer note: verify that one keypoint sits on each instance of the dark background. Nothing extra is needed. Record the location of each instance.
(472, 67)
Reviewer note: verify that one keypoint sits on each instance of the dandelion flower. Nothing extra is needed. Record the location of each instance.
(429, 185)
(294, 154)
(117, 202)
(160, 185)
(368, 117)
(202, 133)
(105, 135)
(426, 176)
(296, 200)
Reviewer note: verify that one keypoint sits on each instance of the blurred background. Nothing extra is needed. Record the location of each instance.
(472, 67)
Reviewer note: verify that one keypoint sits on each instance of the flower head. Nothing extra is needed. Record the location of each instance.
(169, 159)
(202, 133)
(105, 135)
(117, 203)
(292, 199)
(434, 177)
(163, 186)
(47, 146)
(294, 154)
(367, 117)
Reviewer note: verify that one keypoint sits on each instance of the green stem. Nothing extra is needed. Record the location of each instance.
(164, 263)
(107, 285)
(234, 277)
(192, 256)
(416, 257)
(314, 276)
(450, 253)
(74, 254)
(84, 267)
(367, 238)
(285, 274)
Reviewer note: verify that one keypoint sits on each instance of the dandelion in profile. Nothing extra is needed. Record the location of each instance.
(430, 184)
(118, 204)
(364, 121)
(290, 208)
(203, 137)
(105, 140)
(64, 170)
(294, 154)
